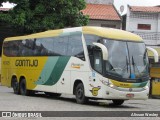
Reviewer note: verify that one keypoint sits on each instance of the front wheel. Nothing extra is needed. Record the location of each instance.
(118, 102)
(80, 94)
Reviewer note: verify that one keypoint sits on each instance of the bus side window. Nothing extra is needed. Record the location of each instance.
(75, 46)
(97, 60)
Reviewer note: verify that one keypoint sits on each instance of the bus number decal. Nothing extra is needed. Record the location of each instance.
(26, 63)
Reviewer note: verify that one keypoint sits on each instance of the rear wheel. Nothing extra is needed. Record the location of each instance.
(80, 94)
(15, 85)
(118, 102)
(23, 88)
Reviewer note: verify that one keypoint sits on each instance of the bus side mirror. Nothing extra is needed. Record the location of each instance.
(155, 53)
(104, 50)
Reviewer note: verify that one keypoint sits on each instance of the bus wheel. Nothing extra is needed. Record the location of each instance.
(15, 86)
(23, 89)
(52, 94)
(118, 102)
(80, 95)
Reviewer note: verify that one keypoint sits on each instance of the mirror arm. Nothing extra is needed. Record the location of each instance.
(104, 50)
(156, 57)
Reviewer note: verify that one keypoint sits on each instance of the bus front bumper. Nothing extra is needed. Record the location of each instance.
(126, 93)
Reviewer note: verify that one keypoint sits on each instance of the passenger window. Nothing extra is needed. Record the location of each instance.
(61, 45)
(75, 46)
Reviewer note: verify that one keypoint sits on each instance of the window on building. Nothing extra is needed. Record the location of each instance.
(144, 26)
(108, 25)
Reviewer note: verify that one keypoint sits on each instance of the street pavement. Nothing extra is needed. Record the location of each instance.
(39, 102)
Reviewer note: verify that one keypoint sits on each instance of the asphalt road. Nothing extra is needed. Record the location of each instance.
(39, 102)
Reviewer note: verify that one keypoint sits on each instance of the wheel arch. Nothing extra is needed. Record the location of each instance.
(76, 82)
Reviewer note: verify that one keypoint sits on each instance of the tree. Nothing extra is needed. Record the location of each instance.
(38, 15)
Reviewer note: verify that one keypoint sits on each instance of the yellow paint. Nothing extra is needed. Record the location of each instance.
(31, 74)
(95, 91)
(78, 67)
(111, 33)
(122, 84)
(155, 87)
(155, 72)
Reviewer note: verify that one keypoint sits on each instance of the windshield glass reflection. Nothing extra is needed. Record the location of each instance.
(126, 59)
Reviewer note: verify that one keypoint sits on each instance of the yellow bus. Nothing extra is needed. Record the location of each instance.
(155, 75)
(88, 62)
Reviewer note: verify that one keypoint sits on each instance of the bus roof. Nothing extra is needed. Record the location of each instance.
(99, 31)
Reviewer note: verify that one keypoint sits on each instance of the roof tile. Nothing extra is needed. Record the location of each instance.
(101, 12)
(145, 9)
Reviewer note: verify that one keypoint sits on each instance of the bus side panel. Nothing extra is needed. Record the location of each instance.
(64, 83)
(5, 64)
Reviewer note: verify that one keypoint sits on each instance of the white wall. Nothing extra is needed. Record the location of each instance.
(100, 22)
(132, 22)
(151, 37)
(158, 23)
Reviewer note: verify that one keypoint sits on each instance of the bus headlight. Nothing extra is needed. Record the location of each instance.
(105, 82)
(108, 84)
(146, 87)
(111, 85)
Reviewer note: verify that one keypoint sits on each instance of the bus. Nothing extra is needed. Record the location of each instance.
(155, 76)
(88, 62)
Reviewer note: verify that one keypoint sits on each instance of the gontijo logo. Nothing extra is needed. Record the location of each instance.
(75, 65)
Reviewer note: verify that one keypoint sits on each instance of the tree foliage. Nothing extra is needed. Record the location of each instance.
(40, 15)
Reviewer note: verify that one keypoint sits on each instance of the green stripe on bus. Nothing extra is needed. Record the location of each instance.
(57, 71)
(140, 84)
(47, 70)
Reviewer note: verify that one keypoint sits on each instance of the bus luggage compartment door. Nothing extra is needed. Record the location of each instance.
(156, 87)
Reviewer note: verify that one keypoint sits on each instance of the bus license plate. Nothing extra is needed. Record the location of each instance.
(130, 96)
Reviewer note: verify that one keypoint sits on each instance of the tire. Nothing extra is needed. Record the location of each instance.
(118, 102)
(15, 86)
(23, 88)
(52, 94)
(80, 94)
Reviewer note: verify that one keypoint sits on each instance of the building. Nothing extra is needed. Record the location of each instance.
(104, 15)
(144, 21)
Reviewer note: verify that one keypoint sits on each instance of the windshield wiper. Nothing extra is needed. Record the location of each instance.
(127, 63)
(134, 64)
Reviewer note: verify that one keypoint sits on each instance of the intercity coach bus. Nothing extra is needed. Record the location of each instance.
(88, 62)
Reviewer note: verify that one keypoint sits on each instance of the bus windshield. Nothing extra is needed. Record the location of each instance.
(127, 60)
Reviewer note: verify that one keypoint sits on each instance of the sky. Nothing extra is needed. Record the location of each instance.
(119, 3)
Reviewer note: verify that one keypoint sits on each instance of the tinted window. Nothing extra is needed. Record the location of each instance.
(61, 45)
(75, 46)
(52, 46)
